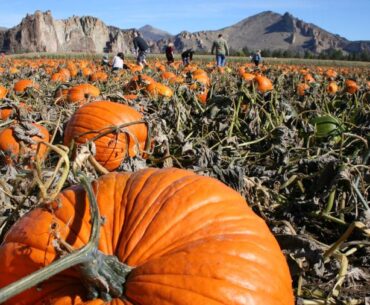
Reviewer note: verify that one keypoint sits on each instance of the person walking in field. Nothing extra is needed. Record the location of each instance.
(221, 49)
(169, 53)
(257, 58)
(141, 48)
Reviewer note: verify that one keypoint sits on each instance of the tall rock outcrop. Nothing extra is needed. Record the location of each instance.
(40, 32)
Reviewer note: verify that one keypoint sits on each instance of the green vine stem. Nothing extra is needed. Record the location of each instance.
(102, 275)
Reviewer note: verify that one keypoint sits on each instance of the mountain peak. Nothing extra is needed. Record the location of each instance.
(151, 33)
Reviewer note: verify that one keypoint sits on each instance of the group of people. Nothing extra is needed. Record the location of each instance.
(141, 48)
(220, 49)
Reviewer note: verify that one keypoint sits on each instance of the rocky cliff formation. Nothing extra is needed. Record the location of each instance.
(40, 32)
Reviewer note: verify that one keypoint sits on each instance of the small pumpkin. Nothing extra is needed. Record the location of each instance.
(59, 77)
(94, 118)
(191, 239)
(7, 111)
(263, 83)
(332, 87)
(308, 78)
(138, 82)
(302, 88)
(201, 76)
(21, 85)
(248, 77)
(3, 92)
(351, 86)
(11, 145)
(82, 93)
(156, 89)
(99, 76)
(202, 96)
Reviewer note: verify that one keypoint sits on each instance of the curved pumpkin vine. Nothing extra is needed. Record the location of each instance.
(102, 275)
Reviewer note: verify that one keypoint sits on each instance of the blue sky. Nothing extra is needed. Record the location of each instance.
(349, 19)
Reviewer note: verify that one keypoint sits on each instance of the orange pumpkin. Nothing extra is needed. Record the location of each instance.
(202, 97)
(308, 78)
(191, 239)
(82, 93)
(332, 88)
(248, 77)
(99, 76)
(94, 118)
(168, 75)
(263, 83)
(3, 92)
(11, 145)
(302, 88)
(331, 73)
(86, 71)
(201, 76)
(156, 90)
(138, 82)
(6, 112)
(66, 73)
(351, 86)
(59, 77)
(21, 85)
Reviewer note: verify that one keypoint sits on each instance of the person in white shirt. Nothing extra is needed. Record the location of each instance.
(117, 62)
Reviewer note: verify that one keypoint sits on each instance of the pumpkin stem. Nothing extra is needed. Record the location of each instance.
(103, 276)
(68, 261)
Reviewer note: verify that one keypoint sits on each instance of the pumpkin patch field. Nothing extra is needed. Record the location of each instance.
(184, 185)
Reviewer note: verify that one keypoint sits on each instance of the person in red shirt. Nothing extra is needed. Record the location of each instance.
(169, 53)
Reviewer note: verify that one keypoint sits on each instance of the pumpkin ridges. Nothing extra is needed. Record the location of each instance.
(201, 260)
(100, 116)
(132, 193)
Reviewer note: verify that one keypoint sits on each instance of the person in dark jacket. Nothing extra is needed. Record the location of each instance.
(141, 49)
(169, 53)
(257, 58)
(187, 56)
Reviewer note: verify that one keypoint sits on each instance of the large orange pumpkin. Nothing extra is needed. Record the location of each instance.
(97, 117)
(191, 239)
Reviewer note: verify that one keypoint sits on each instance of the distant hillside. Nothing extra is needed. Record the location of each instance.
(269, 30)
(152, 33)
(40, 32)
